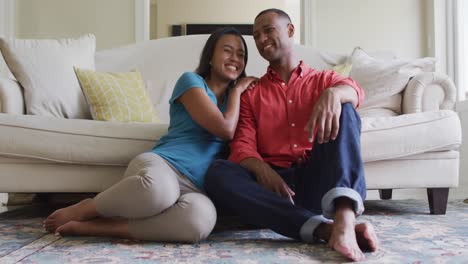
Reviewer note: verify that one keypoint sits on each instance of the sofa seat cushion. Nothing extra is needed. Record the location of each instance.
(385, 138)
(76, 141)
(113, 143)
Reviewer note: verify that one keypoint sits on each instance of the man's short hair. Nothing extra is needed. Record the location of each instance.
(279, 12)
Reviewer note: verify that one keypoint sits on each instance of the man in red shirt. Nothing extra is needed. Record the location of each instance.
(295, 164)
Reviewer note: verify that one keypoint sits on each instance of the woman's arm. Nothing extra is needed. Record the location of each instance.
(207, 114)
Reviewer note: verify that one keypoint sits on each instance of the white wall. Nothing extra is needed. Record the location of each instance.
(396, 25)
(7, 8)
(112, 21)
(173, 12)
(3, 13)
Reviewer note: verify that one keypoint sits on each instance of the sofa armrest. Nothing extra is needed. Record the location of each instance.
(11, 97)
(429, 91)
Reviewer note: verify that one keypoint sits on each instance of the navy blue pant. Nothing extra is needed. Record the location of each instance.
(330, 165)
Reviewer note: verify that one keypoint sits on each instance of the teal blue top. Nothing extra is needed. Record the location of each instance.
(187, 146)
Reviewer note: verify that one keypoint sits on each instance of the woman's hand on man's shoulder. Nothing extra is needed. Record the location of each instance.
(246, 83)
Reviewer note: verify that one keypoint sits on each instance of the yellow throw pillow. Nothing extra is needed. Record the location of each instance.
(343, 69)
(116, 96)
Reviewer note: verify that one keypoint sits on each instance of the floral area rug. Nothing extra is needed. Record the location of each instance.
(407, 232)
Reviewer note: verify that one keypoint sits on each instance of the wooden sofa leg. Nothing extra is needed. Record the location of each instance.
(437, 200)
(385, 194)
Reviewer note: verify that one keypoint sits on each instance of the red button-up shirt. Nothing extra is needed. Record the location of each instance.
(274, 114)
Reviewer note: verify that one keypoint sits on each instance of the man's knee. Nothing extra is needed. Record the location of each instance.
(347, 108)
(349, 114)
(200, 217)
(219, 164)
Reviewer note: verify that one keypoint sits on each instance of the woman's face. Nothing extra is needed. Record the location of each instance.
(227, 62)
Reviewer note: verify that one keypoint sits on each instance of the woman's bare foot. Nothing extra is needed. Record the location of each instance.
(81, 211)
(95, 227)
(343, 235)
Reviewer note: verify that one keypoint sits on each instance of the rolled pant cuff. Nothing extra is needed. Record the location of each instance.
(308, 228)
(328, 201)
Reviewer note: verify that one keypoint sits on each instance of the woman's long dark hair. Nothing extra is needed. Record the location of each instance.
(204, 68)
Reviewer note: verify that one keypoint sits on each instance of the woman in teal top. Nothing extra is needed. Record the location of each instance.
(161, 196)
(186, 138)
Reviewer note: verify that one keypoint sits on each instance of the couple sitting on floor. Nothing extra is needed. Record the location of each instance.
(294, 165)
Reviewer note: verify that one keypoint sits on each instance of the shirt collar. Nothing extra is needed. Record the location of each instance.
(299, 70)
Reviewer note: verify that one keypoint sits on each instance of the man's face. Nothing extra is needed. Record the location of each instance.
(272, 36)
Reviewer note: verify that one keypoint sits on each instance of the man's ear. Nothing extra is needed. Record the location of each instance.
(291, 30)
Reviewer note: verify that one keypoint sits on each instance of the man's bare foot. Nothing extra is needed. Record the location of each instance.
(81, 211)
(364, 232)
(95, 227)
(343, 236)
(366, 237)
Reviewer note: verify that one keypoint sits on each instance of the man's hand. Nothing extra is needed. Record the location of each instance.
(268, 178)
(324, 123)
(271, 180)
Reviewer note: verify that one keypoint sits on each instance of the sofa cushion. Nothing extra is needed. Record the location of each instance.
(76, 141)
(113, 143)
(118, 96)
(4, 70)
(11, 97)
(385, 138)
(162, 61)
(343, 69)
(45, 70)
(381, 79)
(182, 54)
(390, 106)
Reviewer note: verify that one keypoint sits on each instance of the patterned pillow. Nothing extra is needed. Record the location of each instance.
(116, 96)
(343, 69)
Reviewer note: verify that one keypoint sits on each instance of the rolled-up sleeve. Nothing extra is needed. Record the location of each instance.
(244, 144)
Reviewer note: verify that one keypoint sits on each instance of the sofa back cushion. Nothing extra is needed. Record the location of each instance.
(44, 68)
(162, 61)
(11, 97)
(11, 93)
(4, 70)
(384, 80)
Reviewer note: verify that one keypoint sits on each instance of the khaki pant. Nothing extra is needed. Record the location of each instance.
(160, 203)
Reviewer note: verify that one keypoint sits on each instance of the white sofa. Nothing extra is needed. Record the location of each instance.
(412, 144)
